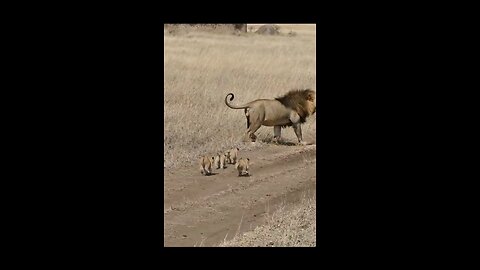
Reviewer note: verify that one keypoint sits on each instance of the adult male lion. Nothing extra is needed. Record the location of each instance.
(291, 109)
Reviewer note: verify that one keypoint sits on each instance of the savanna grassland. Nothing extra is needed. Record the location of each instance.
(267, 207)
(201, 68)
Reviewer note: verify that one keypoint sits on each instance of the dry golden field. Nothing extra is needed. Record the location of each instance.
(201, 68)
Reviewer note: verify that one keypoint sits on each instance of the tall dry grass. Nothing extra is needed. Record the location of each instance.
(201, 68)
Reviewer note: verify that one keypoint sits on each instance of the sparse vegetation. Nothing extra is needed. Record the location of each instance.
(293, 226)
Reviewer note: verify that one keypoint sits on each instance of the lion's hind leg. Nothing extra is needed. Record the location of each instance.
(251, 132)
(254, 125)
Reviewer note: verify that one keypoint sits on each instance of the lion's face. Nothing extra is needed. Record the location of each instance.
(311, 103)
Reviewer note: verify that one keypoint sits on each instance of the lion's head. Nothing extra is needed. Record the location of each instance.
(302, 101)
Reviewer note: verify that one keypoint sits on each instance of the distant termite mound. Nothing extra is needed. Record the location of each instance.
(268, 29)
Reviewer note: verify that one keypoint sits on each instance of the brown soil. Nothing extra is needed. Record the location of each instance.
(206, 210)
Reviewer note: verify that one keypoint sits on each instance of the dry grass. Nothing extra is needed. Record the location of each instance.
(295, 227)
(175, 29)
(302, 29)
(201, 68)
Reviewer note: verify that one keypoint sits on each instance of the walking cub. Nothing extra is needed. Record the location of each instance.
(219, 161)
(232, 155)
(206, 165)
(242, 166)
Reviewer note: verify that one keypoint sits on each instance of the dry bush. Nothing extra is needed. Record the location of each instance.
(201, 68)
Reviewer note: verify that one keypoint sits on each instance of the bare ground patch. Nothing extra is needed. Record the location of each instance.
(205, 211)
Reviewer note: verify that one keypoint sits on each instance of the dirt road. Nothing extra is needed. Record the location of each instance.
(204, 210)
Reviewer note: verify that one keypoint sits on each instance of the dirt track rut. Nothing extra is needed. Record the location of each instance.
(204, 210)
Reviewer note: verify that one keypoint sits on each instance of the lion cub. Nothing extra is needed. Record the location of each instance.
(206, 165)
(242, 166)
(227, 157)
(232, 155)
(219, 161)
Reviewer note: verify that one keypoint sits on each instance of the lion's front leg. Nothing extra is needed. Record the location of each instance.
(298, 131)
(296, 124)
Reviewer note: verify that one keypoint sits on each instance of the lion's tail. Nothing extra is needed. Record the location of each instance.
(233, 106)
